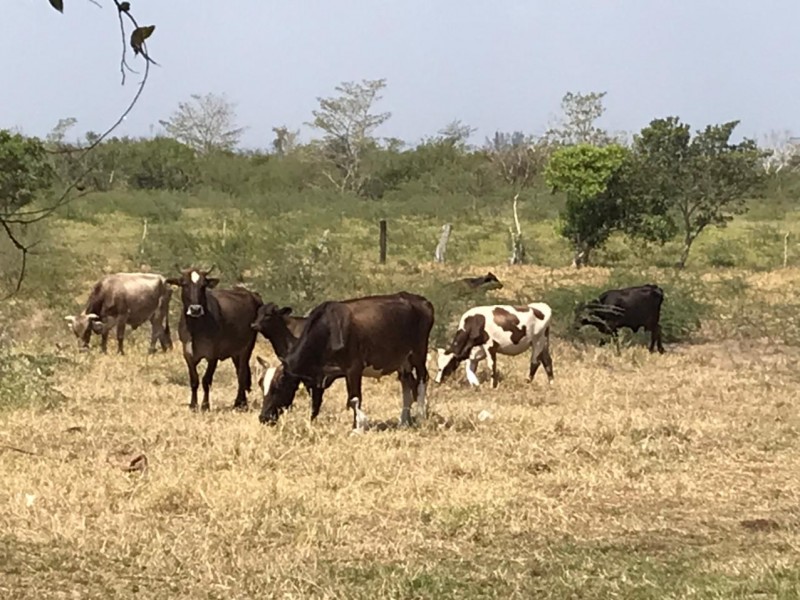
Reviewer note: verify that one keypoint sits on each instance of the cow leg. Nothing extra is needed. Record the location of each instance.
(407, 382)
(476, 355)
(194, 382)
(121, 322)
(208, 378)
(655, 338)
(353, 380)
(244, 378)
(421, 382)
(547, 361)
(316, 401)
(491, 360)
(155, 333)
(615, 337)
(104, 338)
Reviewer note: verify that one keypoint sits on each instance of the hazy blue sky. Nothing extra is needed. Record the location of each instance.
(499, 64)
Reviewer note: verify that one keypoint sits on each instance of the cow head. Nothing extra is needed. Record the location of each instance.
(491, 282)
(83, 325)
(268, 315)
(446, 364)
(193, 284)
(279, 388)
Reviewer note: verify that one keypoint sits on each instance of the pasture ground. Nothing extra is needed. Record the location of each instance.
(633, 476)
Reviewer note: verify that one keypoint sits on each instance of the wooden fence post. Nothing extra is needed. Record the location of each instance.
(144, 236)
(785, 249)
(382, 241)
(441, 247)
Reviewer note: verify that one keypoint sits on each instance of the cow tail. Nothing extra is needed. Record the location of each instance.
(164, 306)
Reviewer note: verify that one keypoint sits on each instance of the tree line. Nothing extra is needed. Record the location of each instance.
(665, 181)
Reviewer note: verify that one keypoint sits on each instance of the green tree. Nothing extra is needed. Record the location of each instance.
(348, 122)
(680, 183)
(590, 176)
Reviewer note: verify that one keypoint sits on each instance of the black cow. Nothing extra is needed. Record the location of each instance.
(632, 307)
(215, 325)
(371, 336)
(486, 282)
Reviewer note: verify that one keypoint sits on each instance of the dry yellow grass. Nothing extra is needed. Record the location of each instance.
(635, 475)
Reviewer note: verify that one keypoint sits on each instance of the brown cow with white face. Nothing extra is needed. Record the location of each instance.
(486, 331)
(372, 336)
(215, 326)
(122, 299)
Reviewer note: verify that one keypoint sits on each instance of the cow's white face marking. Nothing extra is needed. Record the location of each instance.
(269, 375)
(443, 359)
(195, 276)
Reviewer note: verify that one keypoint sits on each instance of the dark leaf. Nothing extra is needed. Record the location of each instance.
(124, 6)
(139, 35)
(58, 5)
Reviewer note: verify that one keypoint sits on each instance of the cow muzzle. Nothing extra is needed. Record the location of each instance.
(195, 310)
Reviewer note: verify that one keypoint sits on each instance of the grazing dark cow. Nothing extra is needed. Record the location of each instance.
(278, 326)
(124, 299)
(486, 282)
(486, 331)
(371, 336)
(215, 325)
(282, 330)
(632, 307)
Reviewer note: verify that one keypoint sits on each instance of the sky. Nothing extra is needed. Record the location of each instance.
(495, 65)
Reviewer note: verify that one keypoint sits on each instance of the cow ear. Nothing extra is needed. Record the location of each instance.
(211, 282)
(175, 281)
(286, 310)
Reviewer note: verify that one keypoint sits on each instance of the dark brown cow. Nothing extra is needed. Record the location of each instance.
(278, 326)
(486, 282)
(215, 325)
(282, 330)
(124, 299)
(371, 336)
(632, 307)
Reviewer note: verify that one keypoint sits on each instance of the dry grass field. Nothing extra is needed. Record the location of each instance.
(633, 476)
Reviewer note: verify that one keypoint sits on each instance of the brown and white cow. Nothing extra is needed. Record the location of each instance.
(122, 299)
(372, 336)
(486, 331)
(215, 326)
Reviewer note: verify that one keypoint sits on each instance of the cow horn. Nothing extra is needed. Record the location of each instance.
(211, 268)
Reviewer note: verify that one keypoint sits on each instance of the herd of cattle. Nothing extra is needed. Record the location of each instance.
(371, 336)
